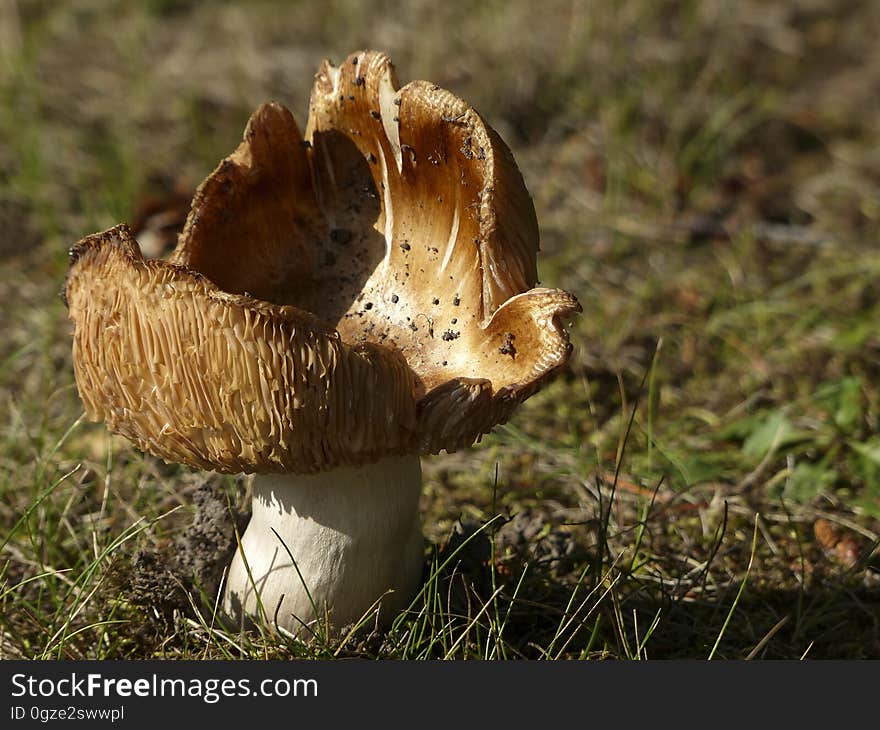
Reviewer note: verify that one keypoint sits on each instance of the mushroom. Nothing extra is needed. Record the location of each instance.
(335, 306)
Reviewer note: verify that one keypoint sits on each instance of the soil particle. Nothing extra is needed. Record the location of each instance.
(163, 576)
(527, 536)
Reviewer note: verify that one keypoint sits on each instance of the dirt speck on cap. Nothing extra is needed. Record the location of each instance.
(507, 348)
(340, 235)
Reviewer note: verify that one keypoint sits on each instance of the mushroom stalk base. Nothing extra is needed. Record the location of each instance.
(354, 534)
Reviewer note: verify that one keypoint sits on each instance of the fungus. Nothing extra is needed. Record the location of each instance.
(249, 350)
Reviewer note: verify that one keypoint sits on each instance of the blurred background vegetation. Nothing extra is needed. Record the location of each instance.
(704, 478)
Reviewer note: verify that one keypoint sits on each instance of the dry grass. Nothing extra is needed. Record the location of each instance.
(705, 477)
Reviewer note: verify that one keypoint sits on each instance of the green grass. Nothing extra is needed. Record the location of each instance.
(705, 176)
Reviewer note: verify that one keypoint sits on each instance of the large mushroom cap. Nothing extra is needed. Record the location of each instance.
(367, 291)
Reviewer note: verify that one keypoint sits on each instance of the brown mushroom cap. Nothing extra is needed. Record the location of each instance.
(367, 292)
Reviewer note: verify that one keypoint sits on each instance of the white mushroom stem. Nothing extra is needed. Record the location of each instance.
(354, 534)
